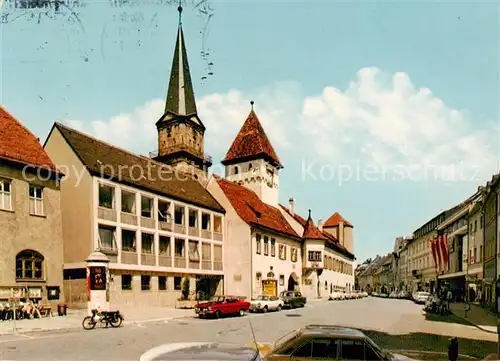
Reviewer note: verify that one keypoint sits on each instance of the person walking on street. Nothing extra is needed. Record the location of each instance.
(449, 297)
(453, 350)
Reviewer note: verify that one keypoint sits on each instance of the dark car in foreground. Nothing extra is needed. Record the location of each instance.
(325, 342)
(201, 351)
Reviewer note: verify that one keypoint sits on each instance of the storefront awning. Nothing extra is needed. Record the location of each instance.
(452, 275)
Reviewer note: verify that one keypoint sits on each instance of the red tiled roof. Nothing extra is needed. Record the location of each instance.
(250, 143)
(18, 144)
(298, 218)
(253, 211)
(311, 231)
(335, 219)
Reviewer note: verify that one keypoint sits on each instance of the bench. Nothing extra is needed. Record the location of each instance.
(45, 310)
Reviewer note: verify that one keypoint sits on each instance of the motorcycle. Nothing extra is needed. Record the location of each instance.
(436, 306)
(104, 318)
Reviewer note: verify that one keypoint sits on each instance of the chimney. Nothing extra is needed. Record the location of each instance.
(291, 203)
(320, 224)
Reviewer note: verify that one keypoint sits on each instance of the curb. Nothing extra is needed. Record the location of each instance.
(473, 324)
(75, 327)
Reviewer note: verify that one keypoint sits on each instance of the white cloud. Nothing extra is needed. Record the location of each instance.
(380, 120)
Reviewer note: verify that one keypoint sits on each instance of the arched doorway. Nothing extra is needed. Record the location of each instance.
(293, 280)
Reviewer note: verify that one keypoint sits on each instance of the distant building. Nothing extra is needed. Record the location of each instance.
(31, 237)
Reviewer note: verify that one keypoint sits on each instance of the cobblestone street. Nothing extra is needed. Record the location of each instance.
(394, 324)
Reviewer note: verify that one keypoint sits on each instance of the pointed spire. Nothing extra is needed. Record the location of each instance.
(180, 96)
(251, 143)
(311, 231)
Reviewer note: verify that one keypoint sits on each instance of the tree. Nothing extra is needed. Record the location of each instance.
(185, 288)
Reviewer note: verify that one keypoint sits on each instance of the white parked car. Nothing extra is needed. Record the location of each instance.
(336, 295)
(421, 297)
(364, 294)
(265, 303)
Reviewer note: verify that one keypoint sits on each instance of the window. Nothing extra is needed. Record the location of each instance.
(179, 247)
(145, 282)
(164, 244)
(318, 348)
(177, 283)
(258, 244)
(205, 222)
(266, 246)
(128, 240)
(107, 240)
(217, 224)
(249, 166)
(353, 350)
(162, 283)
(147, 243)
(194, 253)
(314, 256)
(282, 280)
(126, 282)
(164, 212)
(29, 265)
(179, 215)
(193, 219)
(480, 256)
(5, 195)
(282, 251)
(36, 200)
(294, 254)
(128, 202)
(105, 196)
(273, 247)
(146, 207)
(235, 170)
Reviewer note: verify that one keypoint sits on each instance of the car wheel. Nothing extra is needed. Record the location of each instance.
(265, 309)
(242, 312)
(217, 314)
(278, 308)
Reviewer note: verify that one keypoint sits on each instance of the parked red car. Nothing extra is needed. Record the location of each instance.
(221, 306)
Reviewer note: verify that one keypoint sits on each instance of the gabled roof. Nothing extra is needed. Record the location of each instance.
(251, 143)
(335, 220)
(311, 231)
(104, 160)
(19, 145)
(330, 238)
(253, 211)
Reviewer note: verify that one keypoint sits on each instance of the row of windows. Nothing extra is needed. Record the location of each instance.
(146, 283)
(107, 242)
(475, 257)
(35, 197)
(107, 199)
(270, 248)
(330, 263)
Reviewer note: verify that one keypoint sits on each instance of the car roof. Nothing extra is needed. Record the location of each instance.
(201, 352)
(332, 330)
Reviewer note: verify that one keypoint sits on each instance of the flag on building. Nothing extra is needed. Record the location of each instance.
(433, 250)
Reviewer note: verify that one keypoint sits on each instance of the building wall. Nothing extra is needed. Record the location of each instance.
(237, 247)
(282, 269)
(76, 199)
(255, 176)
(476, 244)
(20, 230)
(179, 135)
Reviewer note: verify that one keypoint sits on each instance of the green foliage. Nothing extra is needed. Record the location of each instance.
(185, 288)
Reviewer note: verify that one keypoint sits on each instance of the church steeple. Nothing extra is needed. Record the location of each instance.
(180, 96)
(180, 130)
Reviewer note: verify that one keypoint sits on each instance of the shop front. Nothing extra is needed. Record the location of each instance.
(489, 285)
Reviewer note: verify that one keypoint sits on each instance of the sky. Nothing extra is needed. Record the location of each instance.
(385, 112)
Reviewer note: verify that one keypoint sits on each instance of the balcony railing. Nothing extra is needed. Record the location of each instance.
(164, 261)
(193, 231)
(180, 262)
(147, 222)
(179, 148)
(206, 264)
(179, 228)
(106, 214)
(129, 257)
(128, 218)
(165, 226)
(217, 265)
(148, 259)
(194, 264)
(218, 236)
(206, 234)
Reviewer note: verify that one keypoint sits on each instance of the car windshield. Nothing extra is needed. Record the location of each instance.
(263, 297)
(216, 299)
